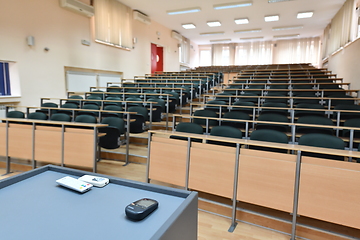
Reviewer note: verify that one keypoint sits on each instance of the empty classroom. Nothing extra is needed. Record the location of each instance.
(245, 112)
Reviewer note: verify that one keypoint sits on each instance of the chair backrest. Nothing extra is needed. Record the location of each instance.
(237, 115)
(324, 141)
(92, 97)
(113, 103)
(69, 105)
(91, 106)
(319, 120)
(113, 108)
(74, 97)
(15, 114)
(134, 101)
(226, 131)
(159, 101)
(139, 110)
(189, 127)
(205, 113)
(353, 122)
(272, 117)
(49, 104)
(116, 122)
(37, 115)
(269, 135)
(85, 119)
(60, 117)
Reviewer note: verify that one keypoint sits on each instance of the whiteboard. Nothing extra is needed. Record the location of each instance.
(80, 81)
(104, 79)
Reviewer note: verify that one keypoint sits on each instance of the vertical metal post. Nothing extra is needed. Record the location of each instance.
(296, 195)
(62, 144)
(96, 152)
(187, 164)
(337, 123)
(148, 158)
(236, 175)
(351, 143)
(246, 130)
(207, 126)
(127, 139)
(33, 163)
(151, 113)
(7, 148)
(167, 111)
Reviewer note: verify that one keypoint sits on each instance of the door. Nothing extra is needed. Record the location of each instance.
(157, 60)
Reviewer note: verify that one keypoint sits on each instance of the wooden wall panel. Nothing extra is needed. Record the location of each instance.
(20, 141)
(212, 169)
(267, 179)
(330, 191)
(79, 147)
(48, 144)
(168, 160)
(2, 139)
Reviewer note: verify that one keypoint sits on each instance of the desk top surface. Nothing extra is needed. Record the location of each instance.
(38, 208)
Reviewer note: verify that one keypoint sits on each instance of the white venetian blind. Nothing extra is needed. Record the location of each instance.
(113, 23)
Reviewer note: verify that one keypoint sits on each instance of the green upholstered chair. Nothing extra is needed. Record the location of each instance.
(15, 114)
(273, 117)
(235, 115)
(188, 127)
(114, 130)
(323, 141)
(316, 120)
(269, 135)
(225, 131)
(85, 119)
(63, 117)
(37, 116)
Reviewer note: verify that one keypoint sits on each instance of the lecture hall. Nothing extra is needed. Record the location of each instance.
(216, 119)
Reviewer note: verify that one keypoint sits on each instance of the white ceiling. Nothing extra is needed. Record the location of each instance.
(324, 11)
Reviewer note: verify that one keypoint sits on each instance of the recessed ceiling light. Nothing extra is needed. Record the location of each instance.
(287, 28)
(221, 40)
(242, 21)
(188, 26)
(248, 30)
(287, 36)
(272, 18)
(214, 24)
(305, 14)
(233, 5)
(211, 33)
(251, 38)
(181, 11)
(275, 1)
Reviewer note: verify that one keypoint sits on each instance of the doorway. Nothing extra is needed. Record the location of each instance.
(157, 58)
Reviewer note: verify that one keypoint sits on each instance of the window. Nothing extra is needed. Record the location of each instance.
(205, 55)
(5, 89)
(113, 24)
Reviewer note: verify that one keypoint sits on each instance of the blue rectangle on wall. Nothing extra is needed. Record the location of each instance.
(5, 89)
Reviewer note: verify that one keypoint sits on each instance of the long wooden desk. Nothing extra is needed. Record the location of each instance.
(63, 143)
(322, 189)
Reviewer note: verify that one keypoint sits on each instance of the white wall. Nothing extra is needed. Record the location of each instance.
(345, 64)
(42, 73)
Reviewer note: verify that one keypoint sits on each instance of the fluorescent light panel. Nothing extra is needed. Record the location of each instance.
(214, 24)
(232, 5)
(272, 18)
(275, 1)
(221, 40)
(252, 38)
(248, 30)
(211, 33)
(305, 14)
(242, 21)
(188, 26)
(287, 28)
(287, 36)
(182, 11)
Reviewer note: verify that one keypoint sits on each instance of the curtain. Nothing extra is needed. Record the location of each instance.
(342, 27)
(253, 53)
(305, 50)
(325, 42)
(113, 23)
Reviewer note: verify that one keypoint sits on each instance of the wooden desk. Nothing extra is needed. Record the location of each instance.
(324, 189)
(63, 143)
